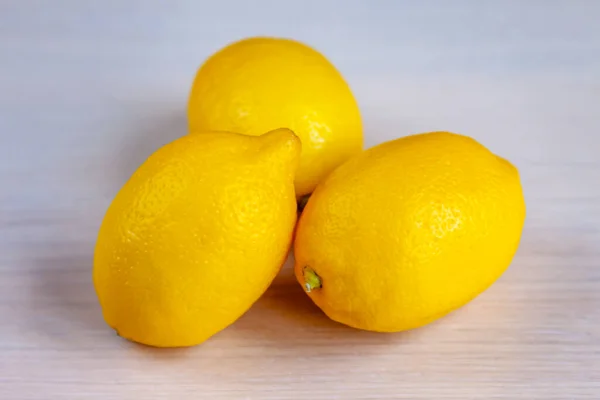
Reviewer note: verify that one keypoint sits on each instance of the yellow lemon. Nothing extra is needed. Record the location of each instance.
(408, 231)
(259, 84)
(196, 235)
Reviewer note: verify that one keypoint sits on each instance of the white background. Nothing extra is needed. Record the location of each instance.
(88, 89)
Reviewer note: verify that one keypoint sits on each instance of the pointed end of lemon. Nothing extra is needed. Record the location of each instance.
(282, 147)
(281, 140)
(312, 280)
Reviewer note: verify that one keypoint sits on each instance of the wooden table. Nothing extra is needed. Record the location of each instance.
(89, 89)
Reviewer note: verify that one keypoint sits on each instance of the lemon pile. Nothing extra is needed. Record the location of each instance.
(391, 238)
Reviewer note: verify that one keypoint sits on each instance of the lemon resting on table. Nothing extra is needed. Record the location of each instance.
(196, 235)
(408, 231)
(258, 84)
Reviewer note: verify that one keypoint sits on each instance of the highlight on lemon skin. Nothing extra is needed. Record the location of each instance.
(258, 84)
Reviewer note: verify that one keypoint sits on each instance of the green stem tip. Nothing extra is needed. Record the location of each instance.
(312, 281)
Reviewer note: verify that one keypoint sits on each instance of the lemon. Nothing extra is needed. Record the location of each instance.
(408, 231)
(196, 235)
(259, 84)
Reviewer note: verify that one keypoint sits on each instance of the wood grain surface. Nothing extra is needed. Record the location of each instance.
(89, 89)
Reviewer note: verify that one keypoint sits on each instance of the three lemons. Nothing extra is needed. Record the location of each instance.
(391, 239)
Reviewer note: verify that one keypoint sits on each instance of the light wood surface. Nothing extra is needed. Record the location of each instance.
(89, 89)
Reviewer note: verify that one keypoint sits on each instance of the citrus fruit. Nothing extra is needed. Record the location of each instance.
(408, 231)
(260, 83)
(196, 235)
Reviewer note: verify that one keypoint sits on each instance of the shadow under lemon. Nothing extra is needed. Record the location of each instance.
(286, 318)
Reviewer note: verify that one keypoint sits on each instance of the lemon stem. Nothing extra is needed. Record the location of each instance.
(311, 280)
